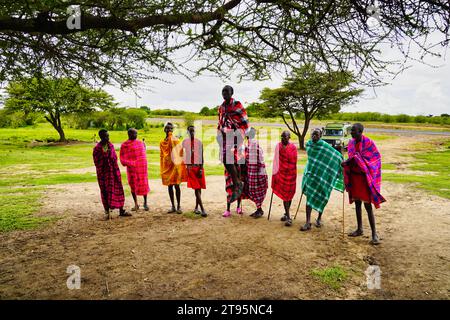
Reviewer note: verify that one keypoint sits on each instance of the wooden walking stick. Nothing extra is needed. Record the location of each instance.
(298, 207)
(270, 207)
(343, 216)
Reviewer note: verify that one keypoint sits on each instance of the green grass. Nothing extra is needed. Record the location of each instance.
(17, 207)
(433, 157)
(332, 276)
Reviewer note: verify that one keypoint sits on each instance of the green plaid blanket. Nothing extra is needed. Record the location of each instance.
(323, 173)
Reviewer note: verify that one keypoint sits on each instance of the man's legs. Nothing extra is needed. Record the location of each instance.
(170, 189)
(136, 206)
(371, 216)
(233, 172)
(145, 203)
(359, 230)
(178, 193)
(198, 196)
(287, 217)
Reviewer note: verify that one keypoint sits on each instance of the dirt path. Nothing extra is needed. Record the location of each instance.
(154, 255)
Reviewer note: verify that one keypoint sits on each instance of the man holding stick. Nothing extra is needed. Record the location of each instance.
(323, 173)
(362, 177)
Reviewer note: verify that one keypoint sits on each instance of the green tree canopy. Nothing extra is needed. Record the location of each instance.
(55, 97)
(311, 93)
(123, 41)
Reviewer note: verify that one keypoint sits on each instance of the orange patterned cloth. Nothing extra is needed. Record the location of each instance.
(172, 167)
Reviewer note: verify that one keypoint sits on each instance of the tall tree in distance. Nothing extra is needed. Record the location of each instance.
(55, 98)
(311, 93)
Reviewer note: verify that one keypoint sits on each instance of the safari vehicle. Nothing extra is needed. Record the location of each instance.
(337, 134)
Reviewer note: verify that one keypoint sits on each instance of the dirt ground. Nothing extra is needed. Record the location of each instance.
(155, 255)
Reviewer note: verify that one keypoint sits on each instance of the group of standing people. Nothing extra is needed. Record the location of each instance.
(244, 169)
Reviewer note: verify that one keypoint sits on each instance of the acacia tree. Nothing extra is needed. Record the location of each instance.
(124, 41)
(55, 97)
(311, 93)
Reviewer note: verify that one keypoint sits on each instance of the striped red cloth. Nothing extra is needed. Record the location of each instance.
(366, 156)
(108, 176)
(133, 155)
(284, 175)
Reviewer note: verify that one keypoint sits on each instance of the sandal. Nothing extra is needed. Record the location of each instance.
(318, 223)
(135, 208)
(239, 211)
(125, 214)
(226, 214)
(204, 214)
(356, 233)
(258, 214)
(179, 211)
(196, 211)
(284, 217)
(288, 222)
(306, 227)
(173, 210)
(375, 241)
(146, 208)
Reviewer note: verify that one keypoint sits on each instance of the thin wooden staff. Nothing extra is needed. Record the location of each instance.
(298, 207)
(343, 216)
(270, 207)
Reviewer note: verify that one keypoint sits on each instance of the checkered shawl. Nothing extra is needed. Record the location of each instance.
(133, 155)
(256, 184)
(108, 176)
(233, 119)
(368, 159)
(323, 173)
(284, 174)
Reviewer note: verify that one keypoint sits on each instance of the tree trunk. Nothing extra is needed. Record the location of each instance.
(56, 123)
(301, 137)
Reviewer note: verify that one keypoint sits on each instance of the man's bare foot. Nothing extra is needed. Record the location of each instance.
(318, 223)
(135, 208)
(356, 233)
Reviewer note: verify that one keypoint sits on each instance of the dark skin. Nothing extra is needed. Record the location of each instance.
(356, 133)
(169, 128)
(104, 141)
(132, 135)
(198, 192)
(231, 168)
(315, 137)
(285, 137)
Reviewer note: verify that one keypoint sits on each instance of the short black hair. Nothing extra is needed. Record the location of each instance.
(228, 87)
(359, 126)
(132, 130)
(102, 132)
(190, 126)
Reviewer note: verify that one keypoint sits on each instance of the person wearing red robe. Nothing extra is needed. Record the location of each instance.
(284, 175)
(193, 158)
(133, 155)
(108, 175)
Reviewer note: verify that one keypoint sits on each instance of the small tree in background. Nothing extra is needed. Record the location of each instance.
(55, 98)
(311, 93)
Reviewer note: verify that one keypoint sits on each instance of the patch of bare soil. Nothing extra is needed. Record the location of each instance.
(155, 255)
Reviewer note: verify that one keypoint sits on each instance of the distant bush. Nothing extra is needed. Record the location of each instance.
(113, 119)
(387, 118)
(166, 112)
(205, 111)
(16, 119)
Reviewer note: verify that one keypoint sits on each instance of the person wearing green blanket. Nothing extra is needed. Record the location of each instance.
(323, 173)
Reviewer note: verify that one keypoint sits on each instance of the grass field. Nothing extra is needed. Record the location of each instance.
(430, 158)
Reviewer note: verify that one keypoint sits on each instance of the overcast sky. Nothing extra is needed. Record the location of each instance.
(419, 90)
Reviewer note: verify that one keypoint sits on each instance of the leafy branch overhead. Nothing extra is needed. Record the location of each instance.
(125, 41)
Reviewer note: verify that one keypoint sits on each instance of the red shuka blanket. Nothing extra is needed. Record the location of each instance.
(108, 176)
(368, 159)
(284, 175)
(133, 155)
